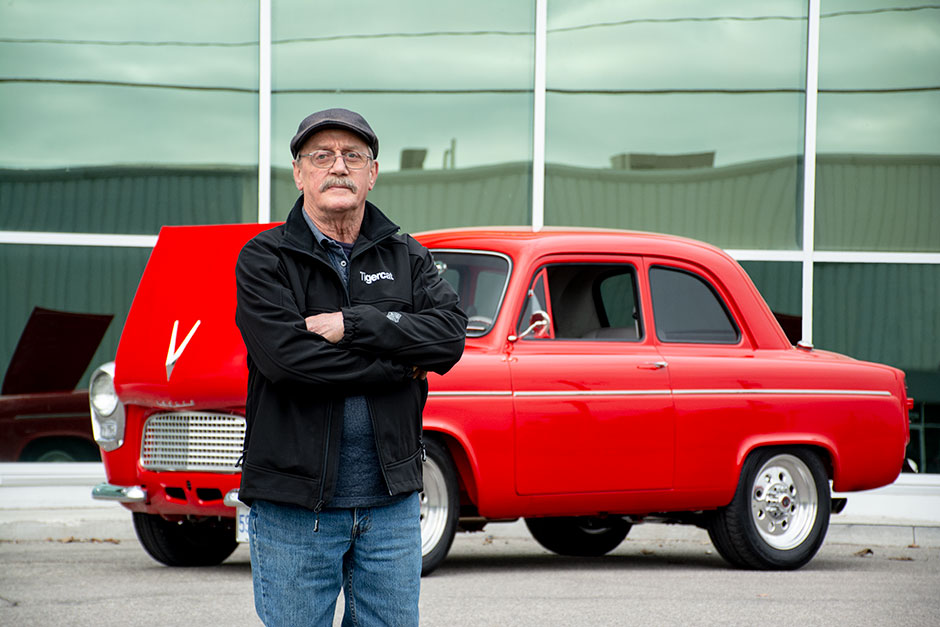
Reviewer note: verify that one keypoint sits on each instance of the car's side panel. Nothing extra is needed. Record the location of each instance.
(602, 422)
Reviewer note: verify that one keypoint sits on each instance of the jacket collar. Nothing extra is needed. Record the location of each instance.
(376, 226)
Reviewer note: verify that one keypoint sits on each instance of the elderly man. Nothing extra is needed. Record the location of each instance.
(343, 317)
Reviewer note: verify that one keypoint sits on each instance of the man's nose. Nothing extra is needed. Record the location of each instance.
(339, 165)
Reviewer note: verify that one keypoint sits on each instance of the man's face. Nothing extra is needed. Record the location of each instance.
(337, 189)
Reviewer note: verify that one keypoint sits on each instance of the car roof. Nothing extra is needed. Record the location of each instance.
(514, 240)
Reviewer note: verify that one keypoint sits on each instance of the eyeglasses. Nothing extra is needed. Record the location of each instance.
(324, 159)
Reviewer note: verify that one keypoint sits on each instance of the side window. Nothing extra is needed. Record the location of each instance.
(480, 279)
(586, 301)
(688, 309)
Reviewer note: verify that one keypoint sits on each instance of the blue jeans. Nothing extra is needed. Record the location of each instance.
(373, 554)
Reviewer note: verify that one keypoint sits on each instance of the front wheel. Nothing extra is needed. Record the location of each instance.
(780, 512)
(440, 506)
(186, 542)
(583, 536)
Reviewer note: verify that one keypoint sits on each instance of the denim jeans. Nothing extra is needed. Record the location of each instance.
(373, 554)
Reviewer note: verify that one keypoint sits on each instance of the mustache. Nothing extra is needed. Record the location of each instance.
(338, 181)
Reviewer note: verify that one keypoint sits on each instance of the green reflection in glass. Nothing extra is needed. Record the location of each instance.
(878, 171)
(678, 117)
(888, 313)
(447, 88)
(118, 87)
(780, 283)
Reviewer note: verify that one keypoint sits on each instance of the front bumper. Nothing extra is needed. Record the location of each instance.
(121, 494)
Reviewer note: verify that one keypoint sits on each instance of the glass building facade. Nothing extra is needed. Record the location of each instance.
(803, 137)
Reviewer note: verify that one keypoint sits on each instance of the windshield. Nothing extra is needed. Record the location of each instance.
(480, 279)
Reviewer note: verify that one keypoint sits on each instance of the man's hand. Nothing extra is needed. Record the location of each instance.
(328, 325)
(418, 374)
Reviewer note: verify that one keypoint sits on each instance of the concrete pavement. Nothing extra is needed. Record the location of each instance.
(53, 501)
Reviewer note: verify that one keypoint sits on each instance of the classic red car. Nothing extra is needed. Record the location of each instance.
(609, 378)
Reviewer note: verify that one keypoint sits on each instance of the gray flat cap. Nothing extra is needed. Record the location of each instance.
(334, 118)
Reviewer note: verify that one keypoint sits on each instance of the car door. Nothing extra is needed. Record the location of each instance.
(720, 383)
(593, 410)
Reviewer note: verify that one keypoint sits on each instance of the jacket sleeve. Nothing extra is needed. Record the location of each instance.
(431, 337)
(276, 336)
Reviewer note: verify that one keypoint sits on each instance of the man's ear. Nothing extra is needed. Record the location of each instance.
(298, 181)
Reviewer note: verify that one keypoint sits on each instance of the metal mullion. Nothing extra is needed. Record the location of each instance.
(538, 117)
(809, 165)
(264, 111)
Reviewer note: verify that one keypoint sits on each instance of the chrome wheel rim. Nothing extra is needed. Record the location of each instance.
(433, 507)
(784, 502)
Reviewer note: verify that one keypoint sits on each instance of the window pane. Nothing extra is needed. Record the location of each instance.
(594, 301)
(120, 117)
(446, 87)
(687, 309)
(480, 281)
(889, 313)
(878, 167)
(780, 283)
(677, 117)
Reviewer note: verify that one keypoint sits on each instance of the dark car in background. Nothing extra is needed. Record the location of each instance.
(43, 417)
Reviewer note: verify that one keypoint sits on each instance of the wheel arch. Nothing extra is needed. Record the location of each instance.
(458, 449)
(822, 447)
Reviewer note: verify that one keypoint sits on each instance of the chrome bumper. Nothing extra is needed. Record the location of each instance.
(119, 493)
(231, 499)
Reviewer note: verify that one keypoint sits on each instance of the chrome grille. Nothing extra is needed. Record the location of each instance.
(192, 441)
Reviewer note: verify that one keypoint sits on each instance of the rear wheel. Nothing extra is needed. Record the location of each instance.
(582, 536)
(780, 512)
(186, 542)
(440, 506)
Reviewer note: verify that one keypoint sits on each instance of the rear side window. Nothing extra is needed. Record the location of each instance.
(687, 308)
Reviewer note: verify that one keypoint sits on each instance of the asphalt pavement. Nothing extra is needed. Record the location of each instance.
(53, 501)
(69, 560)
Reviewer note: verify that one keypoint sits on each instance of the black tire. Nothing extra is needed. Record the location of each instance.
(780, 512)
(188, 542)
(583, 536)
(440, 506)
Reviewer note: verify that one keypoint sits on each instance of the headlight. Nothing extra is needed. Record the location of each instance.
(107, 412)
(101, 393)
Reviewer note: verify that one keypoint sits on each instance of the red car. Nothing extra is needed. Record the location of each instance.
(609, 378)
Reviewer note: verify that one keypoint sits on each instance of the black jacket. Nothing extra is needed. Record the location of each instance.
(399, 314)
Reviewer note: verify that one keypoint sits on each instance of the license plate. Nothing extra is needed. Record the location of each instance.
(241, 522)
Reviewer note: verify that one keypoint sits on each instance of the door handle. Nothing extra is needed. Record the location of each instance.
(653, 365)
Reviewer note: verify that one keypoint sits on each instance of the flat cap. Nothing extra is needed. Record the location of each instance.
(334, 118)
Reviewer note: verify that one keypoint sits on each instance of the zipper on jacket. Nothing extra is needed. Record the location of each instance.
(378, 448)
(323, 470)
(316, 521)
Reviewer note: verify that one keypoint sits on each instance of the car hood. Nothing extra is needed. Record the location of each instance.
(54, 351)
(180, 347)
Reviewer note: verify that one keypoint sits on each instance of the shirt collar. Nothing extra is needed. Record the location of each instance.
(317, 234)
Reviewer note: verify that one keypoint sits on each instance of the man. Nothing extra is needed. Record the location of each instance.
(342, 318)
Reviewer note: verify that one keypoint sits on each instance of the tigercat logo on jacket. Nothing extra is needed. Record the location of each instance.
(369, 279)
